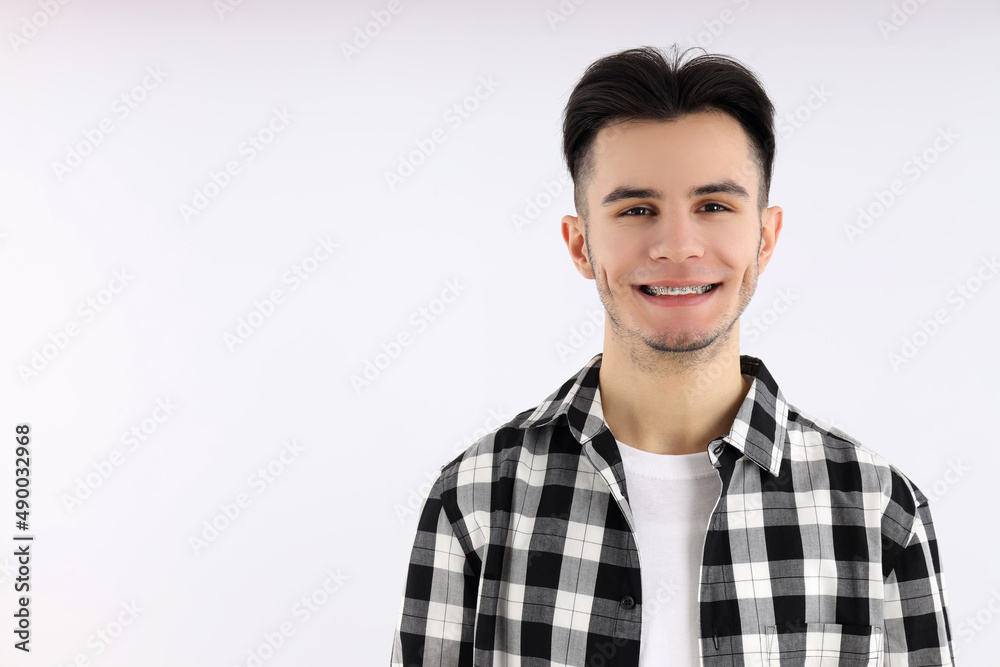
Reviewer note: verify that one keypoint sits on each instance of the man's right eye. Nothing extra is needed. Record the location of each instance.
(636, 211)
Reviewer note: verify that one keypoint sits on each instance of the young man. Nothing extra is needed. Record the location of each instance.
(666, 506)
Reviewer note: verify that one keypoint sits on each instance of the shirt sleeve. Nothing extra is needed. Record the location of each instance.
(437, 617)
(917, 631)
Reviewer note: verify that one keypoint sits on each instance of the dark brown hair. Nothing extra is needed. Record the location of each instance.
(645, 84)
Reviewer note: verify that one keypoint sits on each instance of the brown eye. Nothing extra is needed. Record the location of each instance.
(720, 208)
(636, 211)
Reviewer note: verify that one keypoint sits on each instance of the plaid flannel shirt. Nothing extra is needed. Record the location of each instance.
(818, 552)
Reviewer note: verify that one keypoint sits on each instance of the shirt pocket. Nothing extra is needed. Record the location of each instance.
(824, 645)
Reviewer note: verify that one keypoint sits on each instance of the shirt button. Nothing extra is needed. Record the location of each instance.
(718, 450)
(628, 602)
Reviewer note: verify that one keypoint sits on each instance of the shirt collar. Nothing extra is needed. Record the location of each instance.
(759, 430)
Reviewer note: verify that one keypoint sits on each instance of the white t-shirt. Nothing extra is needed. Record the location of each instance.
(672, 498)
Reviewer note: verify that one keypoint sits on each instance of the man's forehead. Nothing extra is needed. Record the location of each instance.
(697, 148)
(714, 128)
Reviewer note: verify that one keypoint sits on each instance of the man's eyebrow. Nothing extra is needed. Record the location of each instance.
(629, 192)
(725, 186)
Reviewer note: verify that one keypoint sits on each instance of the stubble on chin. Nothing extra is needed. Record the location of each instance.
(670, 353)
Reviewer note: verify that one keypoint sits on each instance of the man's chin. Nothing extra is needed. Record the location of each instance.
(687, 342)
(679, 346)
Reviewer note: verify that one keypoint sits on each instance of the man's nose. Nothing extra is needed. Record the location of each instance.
(676, 236)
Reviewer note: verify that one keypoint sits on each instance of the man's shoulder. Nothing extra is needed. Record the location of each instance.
(489, 454)
(847, 454)
(806, 429)
(539, 430)
(482, 479)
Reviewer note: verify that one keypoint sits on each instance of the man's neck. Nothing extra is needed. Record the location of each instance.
(671, 405)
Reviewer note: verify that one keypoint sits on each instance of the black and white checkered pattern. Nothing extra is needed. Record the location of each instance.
(819, 552)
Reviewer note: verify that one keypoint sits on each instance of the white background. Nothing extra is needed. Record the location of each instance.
(345, 505)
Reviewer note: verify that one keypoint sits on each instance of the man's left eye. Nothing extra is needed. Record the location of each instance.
(719, 207)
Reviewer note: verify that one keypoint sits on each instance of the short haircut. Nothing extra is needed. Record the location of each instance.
(644, 84)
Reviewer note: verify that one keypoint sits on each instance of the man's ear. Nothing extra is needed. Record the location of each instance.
(770, 229)
(572, 232)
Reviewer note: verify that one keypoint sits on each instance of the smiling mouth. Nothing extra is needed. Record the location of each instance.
(677, 291)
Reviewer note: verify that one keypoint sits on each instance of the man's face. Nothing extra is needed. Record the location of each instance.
(673, 203)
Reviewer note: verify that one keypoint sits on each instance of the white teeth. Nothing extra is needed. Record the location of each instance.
(676, 291)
